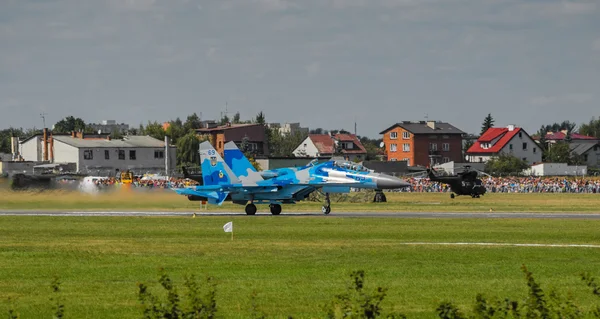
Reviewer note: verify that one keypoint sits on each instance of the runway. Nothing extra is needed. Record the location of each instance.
(308, 214)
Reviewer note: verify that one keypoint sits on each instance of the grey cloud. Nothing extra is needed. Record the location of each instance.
(380, 61)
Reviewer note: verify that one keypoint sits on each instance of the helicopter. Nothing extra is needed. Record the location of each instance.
(464, 183)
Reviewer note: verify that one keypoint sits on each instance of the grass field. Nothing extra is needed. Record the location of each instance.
(295, 264)
(433, 202)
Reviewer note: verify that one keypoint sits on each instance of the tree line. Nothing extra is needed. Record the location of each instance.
(182, 133)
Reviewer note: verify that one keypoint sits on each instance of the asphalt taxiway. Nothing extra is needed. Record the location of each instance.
(309, 214)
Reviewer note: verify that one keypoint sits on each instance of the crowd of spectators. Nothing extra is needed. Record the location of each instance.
(423, 184)
(517, 185)
(146, 183)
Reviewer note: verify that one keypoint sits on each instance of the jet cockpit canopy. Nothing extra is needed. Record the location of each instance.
(350, 166)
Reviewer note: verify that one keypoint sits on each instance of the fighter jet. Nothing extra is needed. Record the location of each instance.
(249, 188)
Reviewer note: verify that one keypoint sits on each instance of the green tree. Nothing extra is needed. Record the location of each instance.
(69, 124)
(175, 130)
(155, 130)
(116, 135)
(488, 122)
(187, 150)
(506, 164)
(236, 118)
(260, 118)
(560, 152)
(372, 147)
(224, 120)
(192, 122)
(284, 145)
(5, 136)
(592, 128)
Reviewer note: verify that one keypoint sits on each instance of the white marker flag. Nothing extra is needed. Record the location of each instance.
(228, 228)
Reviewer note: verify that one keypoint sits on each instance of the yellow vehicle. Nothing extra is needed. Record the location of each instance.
(126, 177)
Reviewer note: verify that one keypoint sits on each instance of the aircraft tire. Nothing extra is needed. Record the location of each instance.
(250, 209)
(326, 210)
(452, 195)
(275, 209)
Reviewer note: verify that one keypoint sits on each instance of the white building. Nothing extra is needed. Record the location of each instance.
(140, 154)
(589, 152)
(556, 169)
(324, 145)
(109, 126)
(508, 140)
(289, 128)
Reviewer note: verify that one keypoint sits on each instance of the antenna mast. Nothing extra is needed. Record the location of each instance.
(43, 116)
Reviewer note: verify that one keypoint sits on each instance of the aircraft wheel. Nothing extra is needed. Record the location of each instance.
(275, 209)
(326, 210)
(452, 195)
(250, 209)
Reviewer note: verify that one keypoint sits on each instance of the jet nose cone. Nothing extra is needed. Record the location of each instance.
(390, 182)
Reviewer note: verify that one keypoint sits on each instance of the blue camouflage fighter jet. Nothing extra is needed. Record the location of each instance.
(238, 181)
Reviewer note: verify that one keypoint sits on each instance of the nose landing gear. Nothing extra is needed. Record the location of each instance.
(326, 209)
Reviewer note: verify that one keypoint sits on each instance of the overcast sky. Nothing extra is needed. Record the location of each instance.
(324, 63)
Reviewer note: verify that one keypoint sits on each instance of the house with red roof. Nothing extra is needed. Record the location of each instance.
(504, 140)
(325, 145)
(560, 136)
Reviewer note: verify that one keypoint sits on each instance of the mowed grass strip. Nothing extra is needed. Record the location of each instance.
(156, 200)
(295, 264)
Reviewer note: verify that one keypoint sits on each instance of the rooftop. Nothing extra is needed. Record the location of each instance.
(224, 127)
(323, 142)
(502, 134)
(581, 148)
(559, 136)
(426, 127)
(126, 142)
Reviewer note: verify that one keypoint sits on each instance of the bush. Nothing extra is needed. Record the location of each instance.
(198, 306)
(355, 303)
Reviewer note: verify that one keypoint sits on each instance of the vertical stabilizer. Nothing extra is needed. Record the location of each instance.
(240, 165)
(214, 169)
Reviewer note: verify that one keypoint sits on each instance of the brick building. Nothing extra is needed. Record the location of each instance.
(423, 143)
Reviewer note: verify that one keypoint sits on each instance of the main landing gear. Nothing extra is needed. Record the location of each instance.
(275, 209)
(250, 209)
(452, 195)
(326, 209)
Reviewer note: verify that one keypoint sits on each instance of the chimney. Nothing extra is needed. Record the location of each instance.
(51, 149)
(108, 138)
(14, 147)
(73, 134)
(45, 140)
(431, 124)
(511, 127)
